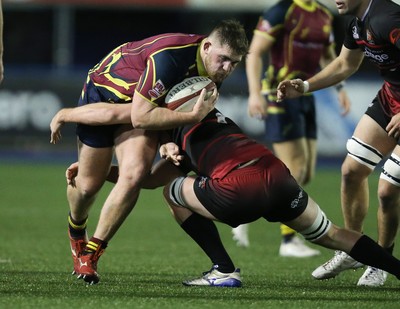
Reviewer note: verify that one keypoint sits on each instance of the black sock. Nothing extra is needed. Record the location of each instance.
(77, 229)
(370, 253)
(205, 233)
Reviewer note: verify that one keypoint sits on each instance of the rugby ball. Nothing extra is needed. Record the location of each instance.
(183, 96)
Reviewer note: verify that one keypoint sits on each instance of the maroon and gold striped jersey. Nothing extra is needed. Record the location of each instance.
(150, 67)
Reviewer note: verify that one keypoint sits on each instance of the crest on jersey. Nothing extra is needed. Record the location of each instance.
(370, 38)
(158, 90)
(394, 36)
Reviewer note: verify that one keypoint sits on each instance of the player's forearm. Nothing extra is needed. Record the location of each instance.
(337, 70)
(162, 119)
(146, 116)
(254, 66)
(334, 73)
(96, 114)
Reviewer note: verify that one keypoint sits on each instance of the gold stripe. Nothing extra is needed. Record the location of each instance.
(77, 227)
(92, 245)
(275, 110)
(116, 92)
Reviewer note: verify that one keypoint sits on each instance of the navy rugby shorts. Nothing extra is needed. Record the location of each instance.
(291, 119)
(95, 136)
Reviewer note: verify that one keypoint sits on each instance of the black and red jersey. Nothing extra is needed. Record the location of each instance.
(216, 145)
(378, 35)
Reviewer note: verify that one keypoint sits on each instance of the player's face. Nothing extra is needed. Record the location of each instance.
(352, 7)
(220, 61)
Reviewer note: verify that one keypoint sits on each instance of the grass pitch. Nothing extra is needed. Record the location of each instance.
(150, 255)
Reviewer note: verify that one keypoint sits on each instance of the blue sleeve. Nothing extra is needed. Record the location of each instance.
(276, 14)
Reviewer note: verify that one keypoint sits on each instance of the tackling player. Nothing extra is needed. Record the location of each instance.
(239, 181)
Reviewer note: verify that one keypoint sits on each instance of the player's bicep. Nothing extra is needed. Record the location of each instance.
(350, 59)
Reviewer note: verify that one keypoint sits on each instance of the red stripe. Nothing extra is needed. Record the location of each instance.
(362, 42)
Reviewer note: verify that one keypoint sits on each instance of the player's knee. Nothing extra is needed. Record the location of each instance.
(318, 229)
(300, 174)
(132, 176)
(363, 153)
(390, 173)
(87, 189)
(308, 177)
(364, 159)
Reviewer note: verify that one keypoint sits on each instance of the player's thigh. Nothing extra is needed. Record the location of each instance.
(372, 134)
(312, 153)
(191, 200)
(306, 218)
(135, 150)
(94, 165)
(292, 152)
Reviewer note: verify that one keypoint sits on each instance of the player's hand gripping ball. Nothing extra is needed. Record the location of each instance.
(183, 96)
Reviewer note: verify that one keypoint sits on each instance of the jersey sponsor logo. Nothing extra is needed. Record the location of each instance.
(377, 57)
(394, 36)
(158, 90)
(370, 39)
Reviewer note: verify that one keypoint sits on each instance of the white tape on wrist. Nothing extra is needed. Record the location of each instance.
(306, 86)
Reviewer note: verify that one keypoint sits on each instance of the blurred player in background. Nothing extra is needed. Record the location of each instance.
(297, 36)
(139, 74)
(373, 33)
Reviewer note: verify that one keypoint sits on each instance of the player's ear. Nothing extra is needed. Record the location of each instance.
(206, 46)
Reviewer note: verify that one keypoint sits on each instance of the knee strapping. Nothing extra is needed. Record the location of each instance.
(318, 229)
(363, 153)
(175, 191)
(391, 170)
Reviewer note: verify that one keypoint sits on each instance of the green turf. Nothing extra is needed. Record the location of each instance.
(150, 255)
